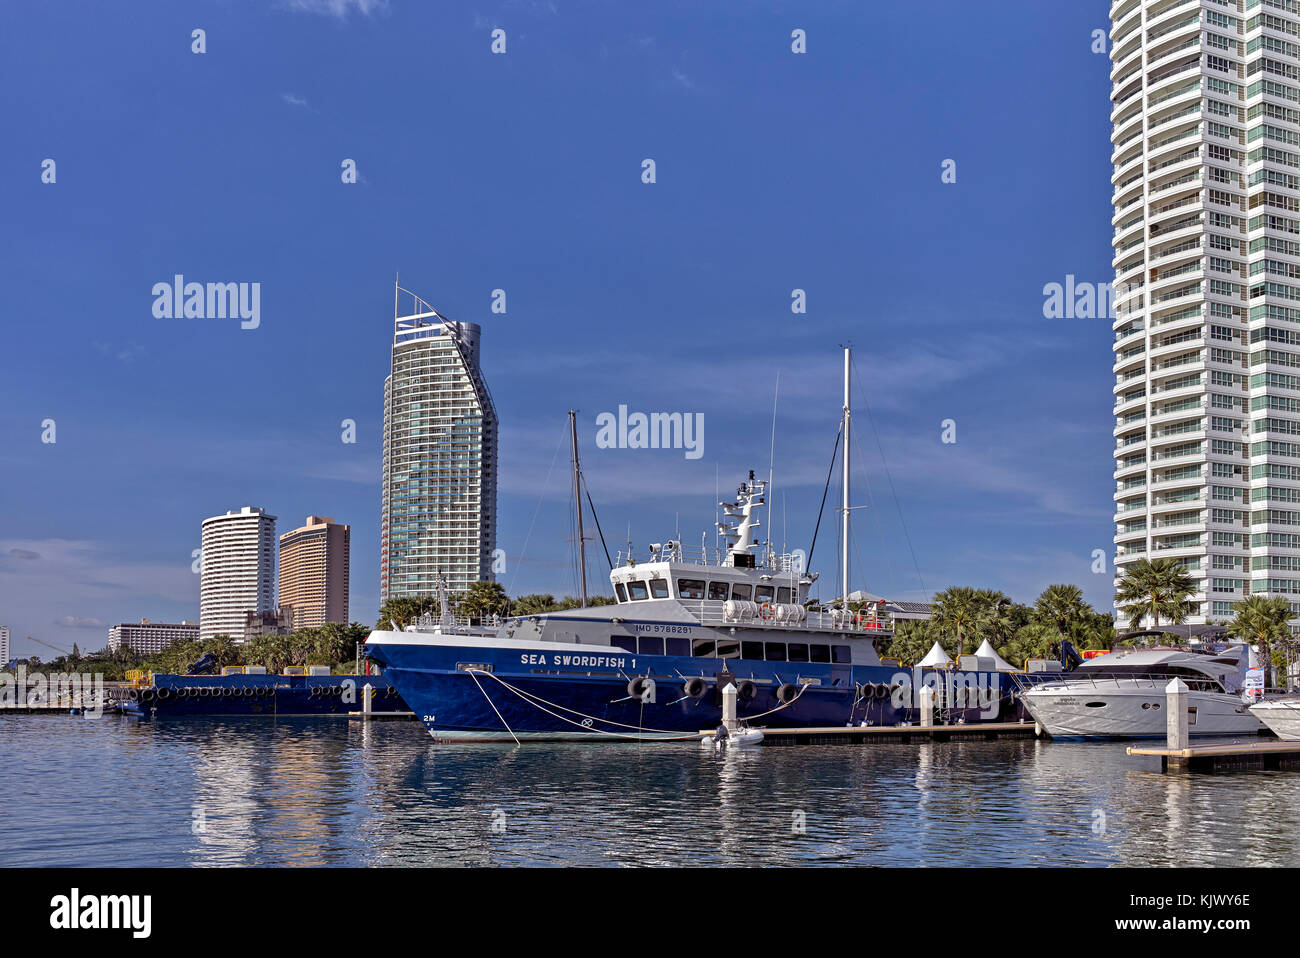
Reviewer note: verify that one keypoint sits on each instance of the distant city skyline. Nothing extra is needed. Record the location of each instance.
(522, 173)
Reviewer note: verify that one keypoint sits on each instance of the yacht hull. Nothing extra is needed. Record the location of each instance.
(1282, 716)
(1082, 710)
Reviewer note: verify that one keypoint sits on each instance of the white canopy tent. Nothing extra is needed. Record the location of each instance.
(935, 658)
(986, 651)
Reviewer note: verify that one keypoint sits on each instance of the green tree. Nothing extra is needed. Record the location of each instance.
(481, 600)
(1157, 587)
(534, 604)
(1263, 622)
(912, 638)
(1061, 606)
(405, 610)
(964, 612)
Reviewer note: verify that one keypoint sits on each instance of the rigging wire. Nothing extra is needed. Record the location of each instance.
(830, 472)
(538, 508)
(893, 491)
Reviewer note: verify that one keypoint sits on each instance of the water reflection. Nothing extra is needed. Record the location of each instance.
(311, 792)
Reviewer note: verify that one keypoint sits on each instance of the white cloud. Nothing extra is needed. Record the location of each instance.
(339, 9)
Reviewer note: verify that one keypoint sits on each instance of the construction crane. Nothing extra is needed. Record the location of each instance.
(32, 638)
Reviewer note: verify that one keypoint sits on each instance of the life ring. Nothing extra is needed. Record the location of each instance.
(787, 693)
(695, 687)
(765, 610)
(746, 691)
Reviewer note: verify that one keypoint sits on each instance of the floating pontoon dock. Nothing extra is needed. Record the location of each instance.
(1235, 757)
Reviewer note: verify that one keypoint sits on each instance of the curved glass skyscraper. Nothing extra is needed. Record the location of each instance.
(440, 456)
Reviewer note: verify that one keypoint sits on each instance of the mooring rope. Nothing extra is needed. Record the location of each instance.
(533, 699)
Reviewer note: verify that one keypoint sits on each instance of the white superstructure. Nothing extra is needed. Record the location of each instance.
(237, 575)
(1206, 153)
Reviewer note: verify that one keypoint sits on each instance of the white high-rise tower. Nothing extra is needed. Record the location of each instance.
(237, 572)
(1206, 152)
(440, 456)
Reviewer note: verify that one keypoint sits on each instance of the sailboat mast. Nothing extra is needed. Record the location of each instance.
(577, 504)
(844, 516)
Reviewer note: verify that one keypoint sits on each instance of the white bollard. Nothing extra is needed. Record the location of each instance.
(1176, 717)
(729, 697)
(927, 706)
(367, 693)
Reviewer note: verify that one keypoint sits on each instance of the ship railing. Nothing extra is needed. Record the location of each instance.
(787, 563)
(715, 615)
(1156, 683)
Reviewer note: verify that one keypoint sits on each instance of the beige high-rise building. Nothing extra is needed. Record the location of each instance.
(314, 572)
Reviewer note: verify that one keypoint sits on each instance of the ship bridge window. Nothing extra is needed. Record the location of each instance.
(775, 651)
(728, 649)
(620, 591)
(764, 593)
(841, 655)
(718, 591)
(751, 650)
(783, 595)
(637, 590)
(651, 645)
(677, 646)
(798, 652)
(703, 648)
(690, 588)
(625, 642)
(821, 653)
(659, 588)
(741, 592)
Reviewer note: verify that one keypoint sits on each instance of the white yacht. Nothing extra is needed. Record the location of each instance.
(1281, 715)
(1122, 695)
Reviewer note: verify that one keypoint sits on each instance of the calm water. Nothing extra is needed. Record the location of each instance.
(329, 792)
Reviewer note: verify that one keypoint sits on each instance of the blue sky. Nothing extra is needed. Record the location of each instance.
(522, 171)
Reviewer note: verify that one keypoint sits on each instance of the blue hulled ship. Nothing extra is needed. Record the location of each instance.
(237, 692)
(653, 664)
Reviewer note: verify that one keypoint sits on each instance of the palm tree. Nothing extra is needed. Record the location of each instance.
(1155, 587)
(1262, 621)
(405, 610)
(963, 610)
(1062, 606)
(482, 599)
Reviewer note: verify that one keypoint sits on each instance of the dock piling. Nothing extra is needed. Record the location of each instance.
(927, 706)
(1176, 716)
